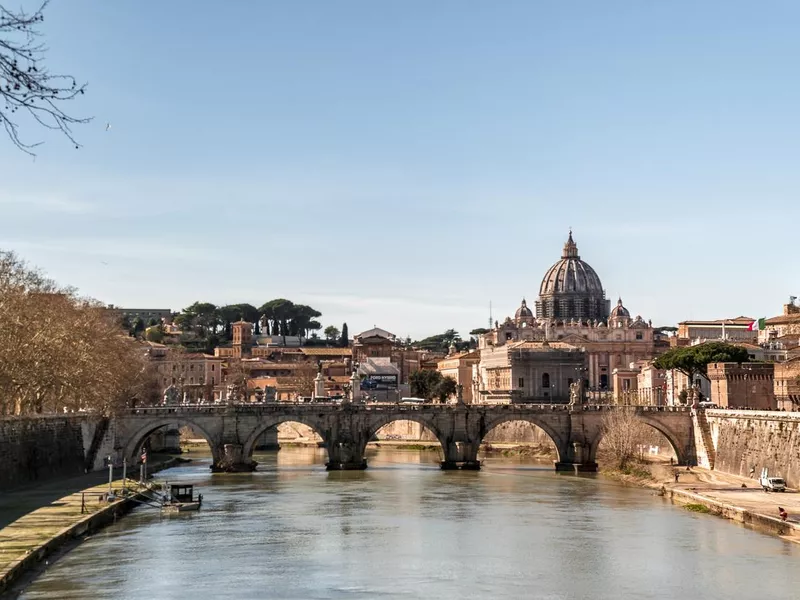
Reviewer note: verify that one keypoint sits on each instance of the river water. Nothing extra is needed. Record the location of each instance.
(403, 529)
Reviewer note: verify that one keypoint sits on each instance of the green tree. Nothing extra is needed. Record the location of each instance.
(250, 313)
(331, 333)
(425, 384)
(277, 313)
(228, 315)
(154, 334)
(138, 326)
(479, 331)
(440, 342)
(694, 360)
(344, 341)
(302, 319)
(446, 388)
(202, 317)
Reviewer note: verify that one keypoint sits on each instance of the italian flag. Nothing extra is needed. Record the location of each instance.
(758, 325)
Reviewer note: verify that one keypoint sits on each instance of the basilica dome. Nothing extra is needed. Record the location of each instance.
(523, 312)
(620, 311)
(571, 289)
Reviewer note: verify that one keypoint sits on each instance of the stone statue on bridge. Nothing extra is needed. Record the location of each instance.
(574, 394)
(172, 395)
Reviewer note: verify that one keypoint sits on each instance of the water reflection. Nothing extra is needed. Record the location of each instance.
(405, 529)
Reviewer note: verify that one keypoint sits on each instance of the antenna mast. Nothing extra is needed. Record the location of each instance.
(490, 314)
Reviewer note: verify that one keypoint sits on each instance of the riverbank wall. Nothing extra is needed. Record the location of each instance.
(760, 522)
(36, 449)
(746, 440)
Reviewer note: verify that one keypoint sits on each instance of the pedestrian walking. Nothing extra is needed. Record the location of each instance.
(676, 477)
(784, 515)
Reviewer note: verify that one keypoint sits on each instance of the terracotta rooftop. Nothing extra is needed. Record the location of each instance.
(783, 320)
(327, 351)
(470, 354)
(285, 366)
(735, 321)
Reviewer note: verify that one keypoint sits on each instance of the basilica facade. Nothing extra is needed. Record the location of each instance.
(572, 310)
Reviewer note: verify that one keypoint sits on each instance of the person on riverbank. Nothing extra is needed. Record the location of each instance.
(676, 476)
(784, 515)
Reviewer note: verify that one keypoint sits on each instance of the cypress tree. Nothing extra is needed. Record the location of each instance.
(344, 341)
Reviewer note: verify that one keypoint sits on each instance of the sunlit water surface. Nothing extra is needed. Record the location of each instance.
(404, 529)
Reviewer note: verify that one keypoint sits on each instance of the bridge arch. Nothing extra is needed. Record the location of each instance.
(250, 443)
(558, 440)
(667, 432)
(137, 440)
(376, 423)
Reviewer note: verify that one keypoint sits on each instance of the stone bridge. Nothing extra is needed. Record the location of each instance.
(232, 431)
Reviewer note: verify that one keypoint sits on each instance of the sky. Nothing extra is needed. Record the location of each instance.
(404, 164)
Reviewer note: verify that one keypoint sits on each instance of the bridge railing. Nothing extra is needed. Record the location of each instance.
(272, 407)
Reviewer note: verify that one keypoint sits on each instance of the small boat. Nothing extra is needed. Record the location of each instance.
(181, 499)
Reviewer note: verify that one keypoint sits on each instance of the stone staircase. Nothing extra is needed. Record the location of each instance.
(702, 439)
(97, 440)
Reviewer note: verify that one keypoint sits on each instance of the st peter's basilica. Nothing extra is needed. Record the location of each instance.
(572, 311)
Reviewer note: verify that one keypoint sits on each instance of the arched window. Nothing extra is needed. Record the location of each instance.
(546, 380)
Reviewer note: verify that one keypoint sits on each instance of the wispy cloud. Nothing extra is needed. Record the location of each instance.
(394, 302)
(122, 248)
(53, 203)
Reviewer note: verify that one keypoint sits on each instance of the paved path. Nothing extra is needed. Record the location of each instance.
(728, 488)
(35, 528)
(31, 515)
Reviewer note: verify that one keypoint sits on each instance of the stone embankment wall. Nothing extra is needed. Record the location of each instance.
(746, 439)
(34, 449)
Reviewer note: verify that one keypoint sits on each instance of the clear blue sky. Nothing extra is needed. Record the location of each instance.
(401, 164)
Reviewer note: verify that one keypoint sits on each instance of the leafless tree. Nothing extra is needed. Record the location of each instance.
(302, 379)
(236, 374)
(60, 352)
(623, 434)
(27, 87)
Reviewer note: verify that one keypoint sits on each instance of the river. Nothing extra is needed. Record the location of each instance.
(403, 529)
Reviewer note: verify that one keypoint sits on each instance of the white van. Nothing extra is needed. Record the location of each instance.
(771, 484)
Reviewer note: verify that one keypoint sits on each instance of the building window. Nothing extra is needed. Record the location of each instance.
(521, 382)
(546, 380)
(638, 335)
(191, 367)
(212, 381)
(570, 382)
(212, 367)
(191, 380)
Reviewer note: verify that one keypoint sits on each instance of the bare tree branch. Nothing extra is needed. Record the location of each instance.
(26, 86)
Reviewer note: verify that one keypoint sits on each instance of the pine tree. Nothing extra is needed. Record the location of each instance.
(344, 341)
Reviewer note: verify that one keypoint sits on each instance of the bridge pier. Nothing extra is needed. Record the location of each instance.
(233, 461)
(460, 455)
(576, 458)
(344, 456)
